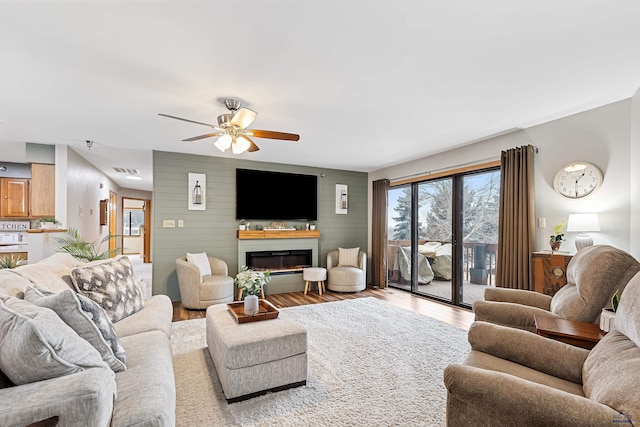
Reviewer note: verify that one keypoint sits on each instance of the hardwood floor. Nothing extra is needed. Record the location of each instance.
(454, 316)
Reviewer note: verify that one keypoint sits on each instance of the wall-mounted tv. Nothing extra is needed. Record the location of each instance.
(266, 195)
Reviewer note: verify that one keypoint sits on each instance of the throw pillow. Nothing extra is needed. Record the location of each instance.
(348, 257)
(112, 285)
(36, 345)
(85, 317)
(201, 260)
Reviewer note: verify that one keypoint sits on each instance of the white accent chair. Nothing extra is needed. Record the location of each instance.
(346, 278)
(198, 292)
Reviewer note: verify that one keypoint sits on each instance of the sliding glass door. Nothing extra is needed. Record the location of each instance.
(443, 236)
(435, 234)
(481, 200)
(399, 237)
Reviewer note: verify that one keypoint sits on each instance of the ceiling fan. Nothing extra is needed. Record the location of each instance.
(232, 129)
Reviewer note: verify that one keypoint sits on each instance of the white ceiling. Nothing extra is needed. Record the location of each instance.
(367, 84)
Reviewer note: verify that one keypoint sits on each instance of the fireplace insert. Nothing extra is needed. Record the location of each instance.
(279, 262)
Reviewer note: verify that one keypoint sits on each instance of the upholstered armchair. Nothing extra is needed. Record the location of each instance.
(515, 378)
(349, 275)
(594, 274)
(199, 292)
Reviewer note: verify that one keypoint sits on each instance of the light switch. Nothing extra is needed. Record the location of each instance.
(180, 223)
(168, 223)
(542, 222)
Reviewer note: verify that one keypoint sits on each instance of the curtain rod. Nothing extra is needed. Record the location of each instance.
(432, 171)
(460, 165)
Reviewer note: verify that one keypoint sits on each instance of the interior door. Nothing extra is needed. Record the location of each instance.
(113, 221)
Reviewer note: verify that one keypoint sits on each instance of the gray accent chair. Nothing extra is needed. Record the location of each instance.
(198, 292)
(512, 377)
(594, 275)
(346, 279)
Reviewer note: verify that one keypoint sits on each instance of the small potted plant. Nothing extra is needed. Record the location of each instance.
(555, 240)
(243, 225)
(251, 283)
(312, 225)
(48, 223)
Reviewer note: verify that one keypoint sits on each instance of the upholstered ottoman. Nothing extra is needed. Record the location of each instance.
(256, 357)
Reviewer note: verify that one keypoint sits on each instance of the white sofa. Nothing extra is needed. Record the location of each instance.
(142, 395)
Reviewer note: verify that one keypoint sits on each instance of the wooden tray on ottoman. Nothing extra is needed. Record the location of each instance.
(266, 311)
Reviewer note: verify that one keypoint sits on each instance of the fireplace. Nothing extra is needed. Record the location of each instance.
(280, 262)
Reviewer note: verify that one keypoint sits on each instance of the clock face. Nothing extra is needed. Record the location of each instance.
(577, 180)
(557, 272)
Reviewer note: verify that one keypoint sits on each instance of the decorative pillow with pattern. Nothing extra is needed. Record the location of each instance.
(36, 345)
(348, 257)
(85, 317)
(112, 285)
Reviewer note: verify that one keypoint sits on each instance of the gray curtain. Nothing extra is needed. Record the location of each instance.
(379, 234)
(516, 221)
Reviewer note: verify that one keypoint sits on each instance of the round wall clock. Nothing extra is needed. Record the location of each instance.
(577, 179)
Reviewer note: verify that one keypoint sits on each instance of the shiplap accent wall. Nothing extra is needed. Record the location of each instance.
(214, 229)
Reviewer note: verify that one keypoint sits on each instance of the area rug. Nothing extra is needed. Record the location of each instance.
(370, 364)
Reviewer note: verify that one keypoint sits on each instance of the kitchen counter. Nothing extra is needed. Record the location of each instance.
(14, 248)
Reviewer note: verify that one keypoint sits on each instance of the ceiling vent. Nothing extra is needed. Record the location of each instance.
(127, 171)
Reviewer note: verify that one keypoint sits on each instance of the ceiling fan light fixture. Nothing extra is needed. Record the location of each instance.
(243, 118)
(240, 145)
(223, 142)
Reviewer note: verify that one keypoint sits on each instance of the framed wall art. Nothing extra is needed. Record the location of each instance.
(342, 199)
(197, 192)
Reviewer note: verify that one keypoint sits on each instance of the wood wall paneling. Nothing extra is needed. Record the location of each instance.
(214, 230)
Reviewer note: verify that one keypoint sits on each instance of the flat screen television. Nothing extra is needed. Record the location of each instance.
(276, 196)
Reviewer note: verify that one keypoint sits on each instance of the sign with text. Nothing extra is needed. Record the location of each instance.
(14, 225)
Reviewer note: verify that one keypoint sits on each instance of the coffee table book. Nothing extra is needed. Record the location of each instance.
(266, 311)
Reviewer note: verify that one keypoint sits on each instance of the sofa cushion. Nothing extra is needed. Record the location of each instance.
(51, 273)
(201, 260)
(348, 257)
(85, 317)
(112, 284)
(146, 390)
(35, 344)
(611, 374)
(156, 316)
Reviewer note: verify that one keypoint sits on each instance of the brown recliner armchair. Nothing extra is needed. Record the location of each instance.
(594, 275)
(515, 378)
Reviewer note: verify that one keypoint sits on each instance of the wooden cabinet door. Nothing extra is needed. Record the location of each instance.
(15, 197)
(43, 190)
(549, 271)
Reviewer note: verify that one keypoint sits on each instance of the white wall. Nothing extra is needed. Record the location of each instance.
(601, 136)
(86, 186)
(634, 186)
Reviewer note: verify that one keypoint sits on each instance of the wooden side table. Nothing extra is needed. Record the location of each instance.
(549, 271)
(585, 335)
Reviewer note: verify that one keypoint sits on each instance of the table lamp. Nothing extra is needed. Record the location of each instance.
(583, 223)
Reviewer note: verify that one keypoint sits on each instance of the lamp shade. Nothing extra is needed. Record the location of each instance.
(583, 223)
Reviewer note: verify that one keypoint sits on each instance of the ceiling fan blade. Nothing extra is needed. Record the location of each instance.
(208, 135)
(253, 147)
(186, 120)
(273, 135)
(243, 118)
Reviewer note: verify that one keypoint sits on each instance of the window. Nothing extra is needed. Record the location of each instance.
(443, 235)
(133, 219)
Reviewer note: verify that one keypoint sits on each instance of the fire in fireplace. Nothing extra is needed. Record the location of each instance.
(279, 262)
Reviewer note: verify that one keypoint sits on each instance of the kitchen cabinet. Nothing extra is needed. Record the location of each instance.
(14, 197)
(549, 271)
(43, 190)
